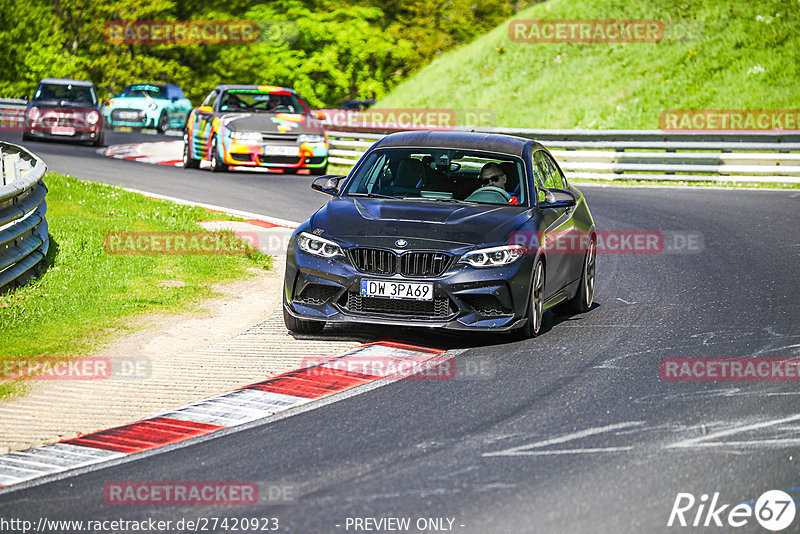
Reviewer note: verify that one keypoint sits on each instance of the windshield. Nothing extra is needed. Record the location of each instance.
(266, 101)
(153, 91)
(441, 174)
(78, 94)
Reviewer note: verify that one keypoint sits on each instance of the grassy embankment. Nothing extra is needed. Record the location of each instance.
(86, 296)
(714, 55)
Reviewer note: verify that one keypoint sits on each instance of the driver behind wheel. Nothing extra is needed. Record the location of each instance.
(493, 186)
(492, 174)
(274, 101)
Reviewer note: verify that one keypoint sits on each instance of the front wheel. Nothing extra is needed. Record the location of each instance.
(163, 123)
(536, 305)
(217, 165)
(188, 161)
(584, 297)
(301, 326)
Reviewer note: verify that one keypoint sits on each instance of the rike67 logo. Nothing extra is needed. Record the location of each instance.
(774, 510)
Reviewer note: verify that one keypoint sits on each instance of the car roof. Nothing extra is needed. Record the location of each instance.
(487, 142)
(66, 81)
(156, 84)
(255, 87)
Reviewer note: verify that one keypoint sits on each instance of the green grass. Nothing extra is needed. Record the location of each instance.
(702, 63)
(86, 296)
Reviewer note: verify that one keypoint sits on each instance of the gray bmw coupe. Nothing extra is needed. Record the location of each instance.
(465, 231)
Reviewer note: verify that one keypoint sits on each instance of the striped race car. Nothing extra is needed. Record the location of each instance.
(256, 126)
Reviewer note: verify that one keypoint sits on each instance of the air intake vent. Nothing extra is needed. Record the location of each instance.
(422, 309)
(379, 261)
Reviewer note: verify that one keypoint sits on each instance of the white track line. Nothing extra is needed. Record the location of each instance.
(229, 211)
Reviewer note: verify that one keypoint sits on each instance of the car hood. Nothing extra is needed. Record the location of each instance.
(285, 123)
(429, 224)
(134, 102)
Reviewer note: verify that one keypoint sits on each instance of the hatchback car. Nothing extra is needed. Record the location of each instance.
(149, 105)
(256, 126)
(465, 231)
(64, 109)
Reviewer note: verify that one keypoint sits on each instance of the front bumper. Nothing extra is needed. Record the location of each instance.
(305, 156)
(144, 118)
(465, 298)
(80, 134)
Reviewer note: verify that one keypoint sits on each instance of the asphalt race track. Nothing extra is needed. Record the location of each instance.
(573, 431)
(288, 197)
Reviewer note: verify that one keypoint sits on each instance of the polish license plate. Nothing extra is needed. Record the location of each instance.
(397, 290)
(62, 130)
(281, 151)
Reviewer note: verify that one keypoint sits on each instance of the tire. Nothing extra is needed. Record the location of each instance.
(533, 326)
(301, 326)
(188, 161)
(101, 140)
(216, 164)
(163, 123)
(26, 137)
(320, 171)
(584, 297)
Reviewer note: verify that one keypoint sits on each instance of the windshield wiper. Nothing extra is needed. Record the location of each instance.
(444, 199)
(373, 195)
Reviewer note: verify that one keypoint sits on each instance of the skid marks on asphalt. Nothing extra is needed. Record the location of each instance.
(738, 437)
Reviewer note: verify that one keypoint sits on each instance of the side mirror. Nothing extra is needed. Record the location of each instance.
(328, 184)
(174, 99)
(206, 110)
(557, 198)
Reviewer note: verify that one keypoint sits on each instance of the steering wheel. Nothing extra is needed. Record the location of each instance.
(489, 193)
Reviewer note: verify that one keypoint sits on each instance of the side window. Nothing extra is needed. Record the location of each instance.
(210, 99)
(558, 177)
(546, 170)
(177, 92)
(538, 175)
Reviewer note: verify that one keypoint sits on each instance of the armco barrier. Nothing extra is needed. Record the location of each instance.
(766, 157)
(23, 228)
(12, 113)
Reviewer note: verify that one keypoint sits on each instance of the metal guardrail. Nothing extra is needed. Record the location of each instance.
(12, 112)
(765, 157)
(23, 228)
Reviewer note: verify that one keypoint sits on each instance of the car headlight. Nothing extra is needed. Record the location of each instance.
(92, 117)
(34, 113)
(310, 138)
(246, 136)
(493, 257)
(318, 246)
(153, 106)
